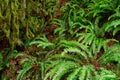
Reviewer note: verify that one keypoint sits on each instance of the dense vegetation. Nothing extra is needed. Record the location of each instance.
(60, 40)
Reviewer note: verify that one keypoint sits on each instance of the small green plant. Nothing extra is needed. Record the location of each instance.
(113, 24)
(31, 67)
(93, 36)
(42, 42)
(112, 55)
(7, 64)
(76, 62)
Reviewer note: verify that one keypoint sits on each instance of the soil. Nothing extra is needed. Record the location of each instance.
(4, 43)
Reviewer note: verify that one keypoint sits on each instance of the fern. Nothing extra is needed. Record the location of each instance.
(11, 55)
(73, 75)
(106, 75)
(60, 70)
(29, 66)
(26, 68)
(92, 39)
(75, 71)
(75, 52)
(64, 69)
(96, 7)
(73, 16)
(73, 46)
(75, 58)
(60, 31)
(112, 54)
(113, 25)
(71, 65)
(5, 61)
(42, 42)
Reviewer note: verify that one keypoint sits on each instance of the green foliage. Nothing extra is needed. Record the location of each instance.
(5, 62)
(114, 21)
(64, 40)
(108, 10)
(73, 46)
(112, 55)
(32, 68)
(42, 42)
(76, 64)
(93, 36)
(1, 61)
(97, 7)
(76, 61)
(106, 75)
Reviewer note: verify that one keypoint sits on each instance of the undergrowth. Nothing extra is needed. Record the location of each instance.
(64, 40)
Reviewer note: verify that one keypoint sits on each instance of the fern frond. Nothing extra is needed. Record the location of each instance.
(75, 44)
(43, 42)
(64, 69)
(116, 30)
(116, 14)
(60, 69)
(86, 72)
(97, 7)
(74, 74)
(75, 50)
(106, 75)
(93, 39)
(27, 63)
(11, 54)
(51, 64)
(112, 24)
(64, 56)
(26, 68)
(111, 54)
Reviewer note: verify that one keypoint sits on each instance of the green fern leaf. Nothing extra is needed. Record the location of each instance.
(112, 54)
(116, 30)
(85, 72)
(64, 69)
(23, 71)
(75, 44)
(75, 50)
(112, 24)
(65, 56)
(56, 71)
(74, 74)
(43, 42)
(106, 75)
